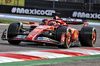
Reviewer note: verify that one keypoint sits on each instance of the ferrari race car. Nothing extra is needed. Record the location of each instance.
(51, 31)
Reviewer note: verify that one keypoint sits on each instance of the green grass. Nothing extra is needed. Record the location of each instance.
(93, 20)
(43, 16)
(7, 21)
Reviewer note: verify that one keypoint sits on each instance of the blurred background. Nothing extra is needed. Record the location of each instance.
(12, 2)
(87, 5)
(85, 9)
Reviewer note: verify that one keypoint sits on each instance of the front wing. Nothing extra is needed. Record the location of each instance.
(23, 38)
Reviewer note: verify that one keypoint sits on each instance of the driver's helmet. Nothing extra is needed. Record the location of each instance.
(52, 23)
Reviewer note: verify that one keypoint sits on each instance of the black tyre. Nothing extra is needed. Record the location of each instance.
(13, 31)
(64, 36)
(87, 36)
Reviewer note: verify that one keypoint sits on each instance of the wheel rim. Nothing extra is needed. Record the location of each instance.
(68, 37)
(94, 37)
(63, 38)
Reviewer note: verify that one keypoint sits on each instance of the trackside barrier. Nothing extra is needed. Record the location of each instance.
(49, 12)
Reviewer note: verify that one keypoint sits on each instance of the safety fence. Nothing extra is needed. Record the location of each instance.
(49, 12)
(86, 5)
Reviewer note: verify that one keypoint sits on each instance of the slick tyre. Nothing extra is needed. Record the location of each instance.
(13, 30)
(87, 36)
(64, 36)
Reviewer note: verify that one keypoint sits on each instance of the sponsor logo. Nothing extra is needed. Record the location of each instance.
(86, 15)
(23, 37)
(43, 38)
(32, 11)
(36, 29)
(40, 38)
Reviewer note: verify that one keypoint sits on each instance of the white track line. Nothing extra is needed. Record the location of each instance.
(91, 52)
(43, 54)
(6, 59)
(3, 24)
(47, 54)
(8, 24)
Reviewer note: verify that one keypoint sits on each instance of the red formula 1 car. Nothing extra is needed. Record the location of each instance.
(53, 31)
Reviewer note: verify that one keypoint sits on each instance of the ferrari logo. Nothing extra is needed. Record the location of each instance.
(8, 1)
(36, 29)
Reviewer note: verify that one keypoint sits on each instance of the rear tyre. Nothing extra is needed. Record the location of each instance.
(87, 36)
(64, 36)
(13, 31)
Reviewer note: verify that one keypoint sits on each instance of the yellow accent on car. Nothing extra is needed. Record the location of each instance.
(36, 29)
(75, 34)
(66, 40)
(12, 2)
(92, 38)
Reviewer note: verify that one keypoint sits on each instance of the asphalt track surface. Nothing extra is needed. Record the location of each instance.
(6, 47)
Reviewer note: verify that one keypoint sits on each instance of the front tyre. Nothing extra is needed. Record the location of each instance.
(64, 36)
(13, 30)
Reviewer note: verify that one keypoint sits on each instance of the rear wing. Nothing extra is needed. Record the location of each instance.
(73, 21)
